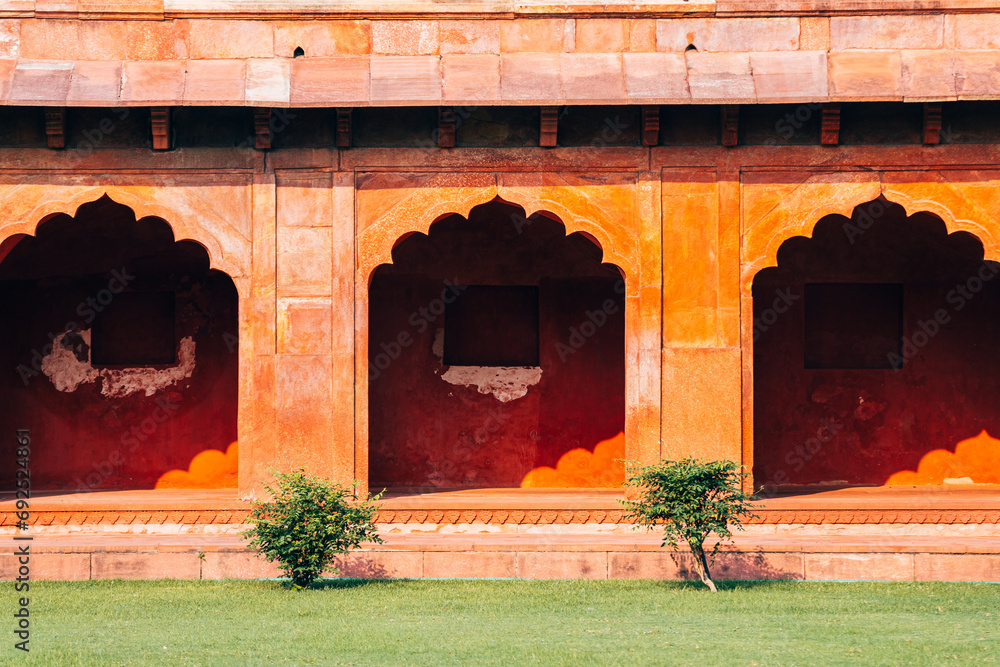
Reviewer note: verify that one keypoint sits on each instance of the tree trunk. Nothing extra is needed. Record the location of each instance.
(701, 565)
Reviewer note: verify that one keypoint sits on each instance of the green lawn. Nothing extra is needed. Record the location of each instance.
(506, 622)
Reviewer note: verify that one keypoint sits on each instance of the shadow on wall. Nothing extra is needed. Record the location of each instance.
(118, 351)
(874, 351)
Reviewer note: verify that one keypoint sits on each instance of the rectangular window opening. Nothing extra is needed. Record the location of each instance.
(853, 325)
(492, 326)
(135, 329)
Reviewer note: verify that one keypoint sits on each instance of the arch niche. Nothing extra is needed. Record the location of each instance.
(447, 199)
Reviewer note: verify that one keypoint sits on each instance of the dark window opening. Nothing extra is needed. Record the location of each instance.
(492, 326)
(853, 325)
(135, 329)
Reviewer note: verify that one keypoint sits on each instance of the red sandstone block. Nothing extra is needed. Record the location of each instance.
(601, 35)
(156, 82)
(305, 326)
(268, 82)
(732, 35)
(10, 41)
(330, 81)
(41, 81)
(858, 566)
(562, 565)
(642, 35)
(592, 78)
(95, 83)
(530, 77)
(145, 565)
(154, 40)
(469, 565)
(887, 32)
(928, 75)
(865, 75)
(73, 40)
(237, 565)
(215, 38)
(215, 82)
(956, 567)
(405, 79)
(720, 77)
(381, 565)
(788, 76)
(47, 566)
(977, 75)
(322, 39)
(304, 264)
(532, 36)
(814, 33)
(757, 566)
(660, 77)
(470, 78)
(649, 565)
(976, 31)
(469, 37)
(405, 38)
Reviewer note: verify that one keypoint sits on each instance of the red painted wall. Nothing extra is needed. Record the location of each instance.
(862, 426)
(426, 432)
(83, 439)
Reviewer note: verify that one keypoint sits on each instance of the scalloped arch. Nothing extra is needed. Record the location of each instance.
(26, 218)
(804, 223)
(419, 213)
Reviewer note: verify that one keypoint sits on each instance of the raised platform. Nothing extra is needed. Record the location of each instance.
(218, 510)
(533, 556)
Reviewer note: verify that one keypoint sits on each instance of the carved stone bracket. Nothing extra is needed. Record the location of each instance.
(550, 126)
(830, 128)
(262, 128)
(160, 120)
(446, 127)
(932, 123)
(650, 125)
(344, 128)
(730, 124)
(55, 127)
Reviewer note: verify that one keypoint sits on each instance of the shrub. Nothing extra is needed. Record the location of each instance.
(689, 499)
(308, 522)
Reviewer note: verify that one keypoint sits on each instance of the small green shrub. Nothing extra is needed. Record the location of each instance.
(689, 499)
(308, 522)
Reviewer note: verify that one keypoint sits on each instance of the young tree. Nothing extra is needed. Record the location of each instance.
(308, 522)
(689, 499)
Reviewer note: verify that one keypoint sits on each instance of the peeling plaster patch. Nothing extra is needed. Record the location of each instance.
(506, 383)
(67, 372)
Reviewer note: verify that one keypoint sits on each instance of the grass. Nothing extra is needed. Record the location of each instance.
(506, 622)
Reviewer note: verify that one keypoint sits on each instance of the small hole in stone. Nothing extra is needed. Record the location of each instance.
(691, 47)
(299, 51)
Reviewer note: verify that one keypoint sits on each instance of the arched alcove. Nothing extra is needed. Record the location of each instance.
(873, 349)
(496, 357)
(120, 350)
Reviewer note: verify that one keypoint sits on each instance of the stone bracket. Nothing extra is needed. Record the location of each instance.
(932, 123)
(262, 128)
(730, 124)
(159, 118)
(650, 124)
(830, 127)
(549, 126)
(446, 127)
(55, 127)
(344, 127)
